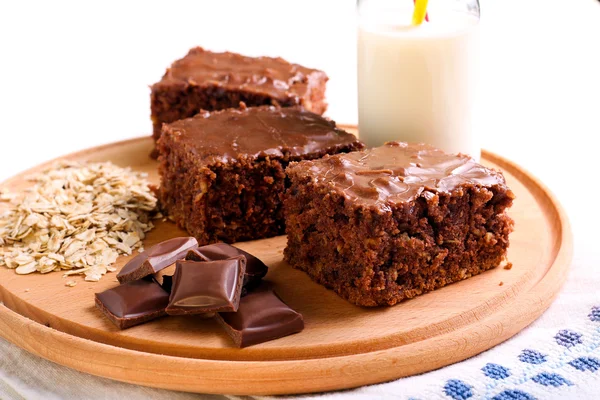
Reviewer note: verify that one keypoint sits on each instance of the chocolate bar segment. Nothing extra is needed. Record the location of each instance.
(261, 317)
(133, 303)
(207, 286)
(255, 268)
(156, 258)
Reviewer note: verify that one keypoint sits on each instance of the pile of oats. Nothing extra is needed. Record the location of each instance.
(76, 217)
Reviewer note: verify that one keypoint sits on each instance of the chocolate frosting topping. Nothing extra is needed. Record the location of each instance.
(258, 132)
(274, 77)
(399, 172)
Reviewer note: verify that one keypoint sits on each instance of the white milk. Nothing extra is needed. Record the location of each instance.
(416, 84)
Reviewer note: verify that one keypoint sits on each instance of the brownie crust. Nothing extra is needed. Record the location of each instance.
(386, 225)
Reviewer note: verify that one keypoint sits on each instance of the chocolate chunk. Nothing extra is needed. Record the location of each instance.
(255, 269)
(158, 257)
(261, 317)
(206, 286)
(133, 303)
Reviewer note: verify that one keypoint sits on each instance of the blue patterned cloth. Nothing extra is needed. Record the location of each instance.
(537, 364)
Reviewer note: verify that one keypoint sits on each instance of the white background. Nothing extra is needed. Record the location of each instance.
(76, 74)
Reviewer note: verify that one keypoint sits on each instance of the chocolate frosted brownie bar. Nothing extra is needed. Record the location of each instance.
(204, 80)
(390, 223)
(222, 173)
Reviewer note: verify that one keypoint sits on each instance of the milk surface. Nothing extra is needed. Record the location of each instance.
(417, 83)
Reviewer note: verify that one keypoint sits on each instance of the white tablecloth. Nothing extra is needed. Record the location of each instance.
(75, 75)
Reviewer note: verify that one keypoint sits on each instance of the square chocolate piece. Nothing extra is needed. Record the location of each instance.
(222, 173)
(133, 303)
(206, 286)
(156, 258)
(255, 268)
(390, 223)
(204, 80)
(261, 317)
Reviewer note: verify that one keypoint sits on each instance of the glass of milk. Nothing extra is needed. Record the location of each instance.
(417, 83)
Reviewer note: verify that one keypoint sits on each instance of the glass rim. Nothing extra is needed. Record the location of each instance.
(471, 7)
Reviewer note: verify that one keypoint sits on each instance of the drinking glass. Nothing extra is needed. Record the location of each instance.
(418, 83)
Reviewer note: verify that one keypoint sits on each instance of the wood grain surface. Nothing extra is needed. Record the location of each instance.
(342, 345)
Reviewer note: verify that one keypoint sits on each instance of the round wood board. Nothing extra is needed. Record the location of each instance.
(342, 346)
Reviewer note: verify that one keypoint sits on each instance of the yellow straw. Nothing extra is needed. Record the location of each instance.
(420, 12)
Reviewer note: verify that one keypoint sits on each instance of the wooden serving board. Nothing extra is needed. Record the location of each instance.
(342, 346)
